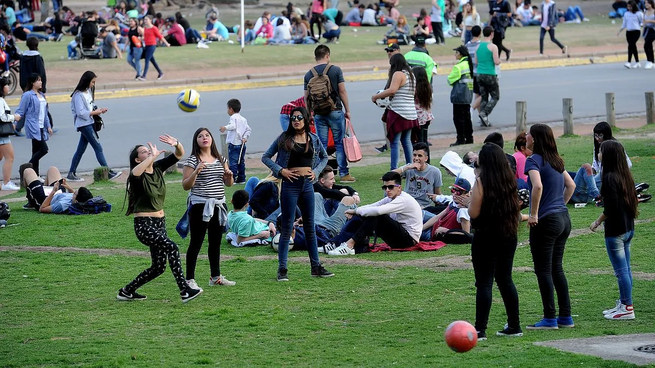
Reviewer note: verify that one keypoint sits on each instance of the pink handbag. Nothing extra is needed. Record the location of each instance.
(351, 144)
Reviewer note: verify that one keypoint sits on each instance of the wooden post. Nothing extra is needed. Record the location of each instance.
(567, 113)
(101, 174)
(609, 108)
(224, 145)
(521, 116)
(650, 108)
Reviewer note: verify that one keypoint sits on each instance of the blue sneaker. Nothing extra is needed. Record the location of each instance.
(544, 324)
(565, 322)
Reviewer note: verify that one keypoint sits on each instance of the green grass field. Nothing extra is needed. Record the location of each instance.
(390, 309)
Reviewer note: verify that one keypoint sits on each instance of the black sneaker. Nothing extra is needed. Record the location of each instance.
(282, 274)
(381, 149)
(509, 55)
(643, 197)
(511, 332)
(28, 206)
(190, 294)
(458, 143)
(641, 187)
(320, 271)
(482, 335)
(125, 296)
(114, 174)
(72, 177)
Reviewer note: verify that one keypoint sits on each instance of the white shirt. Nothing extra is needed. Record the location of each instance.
(88, 98)
(526, 14)
(237, 129)
(404, 209)
(544, 15)
(42, 111)
(369, 18)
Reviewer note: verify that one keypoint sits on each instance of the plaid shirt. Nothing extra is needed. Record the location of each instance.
(286, 109)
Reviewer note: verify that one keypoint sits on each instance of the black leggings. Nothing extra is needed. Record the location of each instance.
(198, 229)
(632, 37)
(648, 44)
(151, 231)
(315, 20)
(498, 41)
(39, 149)
(437, 29)
(551, 33)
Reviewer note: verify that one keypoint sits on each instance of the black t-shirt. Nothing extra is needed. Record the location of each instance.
(184, 23)
(19, 33)
(336, 76)
(503, 7)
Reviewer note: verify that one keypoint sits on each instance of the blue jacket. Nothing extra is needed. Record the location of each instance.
(29, 109)
(318, 161)
(80, 109)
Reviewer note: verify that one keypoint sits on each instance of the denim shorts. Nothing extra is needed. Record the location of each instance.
(4, 140)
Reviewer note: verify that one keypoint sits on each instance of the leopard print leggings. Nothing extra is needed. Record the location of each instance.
(151, 231)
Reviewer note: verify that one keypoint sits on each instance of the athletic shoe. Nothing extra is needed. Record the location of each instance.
(193, 284)
(189, 294)
(565, 50)
(636, 66)
(509, 55)
(125, 296)
(240, 183)
(381, 149)
(72, 177)
(319, 271)
(60, 37)
(482, 336)
(628, 65)
(612, 310)
(114, 174)
(566, 322)
(622, 312)
(28, 206)
(642, 197)
(510, 332)
(10, 186)
(347, 179)
(649, 65)
(202, 45)
(342, 250)
(458, 143)
(544, 324)
(641, 187)
(220, 281)
(330, 246)
(282, 274)
(160, 76)
(140, 79)
(484, 119)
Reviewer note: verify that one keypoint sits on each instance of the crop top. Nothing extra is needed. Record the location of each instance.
(299, 158)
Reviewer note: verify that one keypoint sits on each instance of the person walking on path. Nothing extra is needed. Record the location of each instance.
(300, 158)
(135, 48)
(549, 21)
(150, 36)
(206, 174)
(327, 98)
(461, 81)
(146, 192)
(632, 22)
(487, 59)
(551, 188)
(501, 15)
(6, 149)
(31, 61)
(34, 109)
(495, 215)
(619, 212)
(649, 33)
(84, 112)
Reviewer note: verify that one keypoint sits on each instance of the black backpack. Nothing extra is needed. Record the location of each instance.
(92, 206)
(5, 211)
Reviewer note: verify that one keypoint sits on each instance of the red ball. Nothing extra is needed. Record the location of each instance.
(461, 336)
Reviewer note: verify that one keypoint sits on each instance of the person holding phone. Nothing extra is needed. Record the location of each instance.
(60, 195)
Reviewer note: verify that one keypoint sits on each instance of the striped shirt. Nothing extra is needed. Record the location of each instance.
(403, 100)
(209, 183)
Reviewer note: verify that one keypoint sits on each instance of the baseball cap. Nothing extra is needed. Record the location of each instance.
(462, 50)
(392, 47)
(420, 40)
(462, 184)
(170, 19)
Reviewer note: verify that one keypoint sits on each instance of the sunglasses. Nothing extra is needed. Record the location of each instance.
(297, 118)
(389, 187)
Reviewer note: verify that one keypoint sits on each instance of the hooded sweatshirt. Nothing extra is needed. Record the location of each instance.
(455, 165)
(32, 62)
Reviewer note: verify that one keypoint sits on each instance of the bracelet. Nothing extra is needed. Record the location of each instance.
(176, 143)
(534, 217)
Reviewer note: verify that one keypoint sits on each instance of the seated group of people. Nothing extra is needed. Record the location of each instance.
(527, 14)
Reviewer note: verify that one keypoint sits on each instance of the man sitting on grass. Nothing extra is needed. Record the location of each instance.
(453, 224)
(246, 227)
(423, 181)
(332, 193)
(397, 219)
(55, 201)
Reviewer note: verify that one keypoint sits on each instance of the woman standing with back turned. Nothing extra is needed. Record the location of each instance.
(550, 224)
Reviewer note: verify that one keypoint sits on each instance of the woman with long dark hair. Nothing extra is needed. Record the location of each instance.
(135, 49)
(400, 115)
(423, 101)
(632, 21)
(299, 161)
(550, 224)
(84, 110)
(146, 192)
(34, 109)
(620, 210)
(649, 33)
(495, 216)
(206, 173)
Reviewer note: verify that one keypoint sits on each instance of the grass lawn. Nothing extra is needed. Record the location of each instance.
(59, 308)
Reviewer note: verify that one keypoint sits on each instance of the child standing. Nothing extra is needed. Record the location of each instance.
(237, 136)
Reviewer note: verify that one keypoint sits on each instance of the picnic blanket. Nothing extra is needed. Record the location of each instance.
(424, 246)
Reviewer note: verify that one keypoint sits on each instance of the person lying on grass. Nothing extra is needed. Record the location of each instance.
(60, 195)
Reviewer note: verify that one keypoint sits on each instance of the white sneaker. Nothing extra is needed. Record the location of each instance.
(622, 312)
(202, 45)
(220, 281)
(193, 285)
(649, 65)
(342, 250)
(10, 186)
(330, 246)
(612, 310)
(628, 65)
(636, 66)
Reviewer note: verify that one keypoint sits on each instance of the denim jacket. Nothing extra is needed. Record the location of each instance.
(552, 14)
(29, 109)
(319, 161)
(80, 109)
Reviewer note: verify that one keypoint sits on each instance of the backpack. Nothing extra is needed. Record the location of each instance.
(92, 206)
(5, 211)
(320, 92)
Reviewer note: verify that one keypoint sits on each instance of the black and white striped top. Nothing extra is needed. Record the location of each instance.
(209, 183)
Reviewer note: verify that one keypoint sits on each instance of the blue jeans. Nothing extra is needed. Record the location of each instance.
(332, 223)
(337, 123)
(468, 36)
(586, 187)
(250, 188)
(299, 192)
(573, 12)
(618, 249)
(405, 138)
(284, 122)
(237, 162)
(87, 136)
(72, 51)
(332, 34)
(134, 59)
(150, 57)
(426, 235)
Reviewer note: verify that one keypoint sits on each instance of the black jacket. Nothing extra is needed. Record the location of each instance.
(31, 63)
